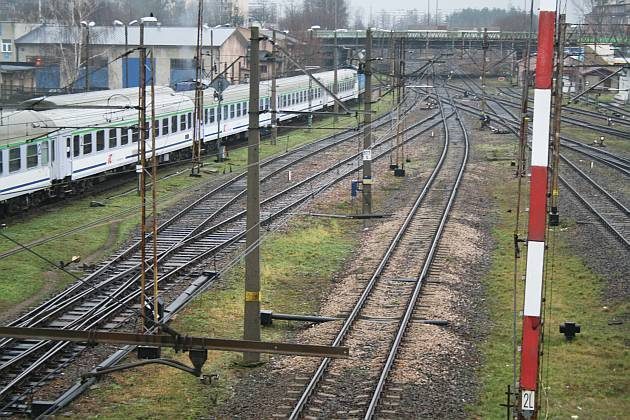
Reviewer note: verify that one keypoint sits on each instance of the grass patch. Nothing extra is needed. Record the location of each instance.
(586, 377)
(296, 271)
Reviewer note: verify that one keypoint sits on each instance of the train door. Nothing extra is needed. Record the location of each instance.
(61, 157)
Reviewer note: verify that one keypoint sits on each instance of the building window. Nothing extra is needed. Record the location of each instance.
(15, 159)
(7, 46)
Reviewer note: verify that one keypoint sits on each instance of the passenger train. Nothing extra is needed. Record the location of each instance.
(60, 145)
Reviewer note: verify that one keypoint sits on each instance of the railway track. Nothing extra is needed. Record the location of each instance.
(391, 294)
(302, 152)
(109, 299)
(608, 210)
(622, 119)
(473, 87)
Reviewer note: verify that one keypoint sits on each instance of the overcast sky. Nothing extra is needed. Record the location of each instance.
(451, 5)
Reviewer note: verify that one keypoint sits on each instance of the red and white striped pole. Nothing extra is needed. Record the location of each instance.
(537, 211)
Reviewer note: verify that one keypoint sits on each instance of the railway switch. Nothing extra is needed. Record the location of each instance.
(569, 329)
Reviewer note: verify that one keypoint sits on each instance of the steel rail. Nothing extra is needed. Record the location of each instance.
(413, 300)
(352, 317)
(102, 313)
(617, 162)
(616, 120)
(566, 119)
(23, 320)
(605, 222)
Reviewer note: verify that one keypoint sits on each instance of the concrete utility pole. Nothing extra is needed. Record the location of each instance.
(554, 217)
(195, 169)
(335, 64)
(142, 126)
(484, 46)
(367, 130)
(252, 259)
(274, 99)
(533, 321)
(154, 221)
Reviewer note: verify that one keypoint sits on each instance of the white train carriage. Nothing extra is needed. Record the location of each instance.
(56, 147)
(24, 154)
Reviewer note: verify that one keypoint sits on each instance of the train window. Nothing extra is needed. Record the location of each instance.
(68, 148)
(182, 122)
(232, 111)
(15, 159)
(135, 134)
(124, 136)
(113, 137)
(44, 152)
(52, 150)
(211, 115)
(225, 112)
(76, 146)
(31, 155)
(244, 108)
(100, 140)
(189, 118)
(174, 123)
(1, 165)
(205, 116)
(238, 109)
(156, 128)
(87, 144)
(165, 126)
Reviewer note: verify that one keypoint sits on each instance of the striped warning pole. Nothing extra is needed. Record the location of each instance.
(537, 211)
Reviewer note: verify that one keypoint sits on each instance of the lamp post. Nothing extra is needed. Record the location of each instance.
(87, 25)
